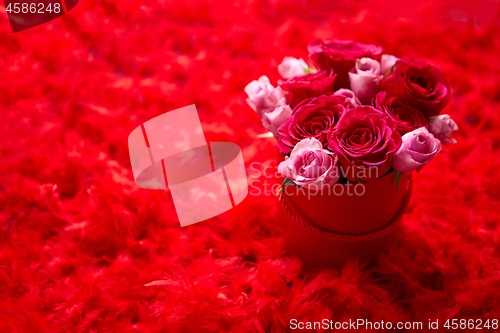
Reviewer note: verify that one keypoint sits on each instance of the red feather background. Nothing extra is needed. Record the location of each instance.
(83, 249)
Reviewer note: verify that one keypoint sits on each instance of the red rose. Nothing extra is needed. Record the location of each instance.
(313, 118)
(365, 139)
(340, 56)
(419, 84)
(407, 117)
(312, 85)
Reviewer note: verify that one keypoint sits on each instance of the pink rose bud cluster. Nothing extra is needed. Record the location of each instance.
(365, 78)
(350, 95)
(268, 102)
(441, 127)
(292, 67)
(311, 166)
(357, 108)
(418, 148)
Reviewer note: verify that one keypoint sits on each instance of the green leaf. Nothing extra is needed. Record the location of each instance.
(397, 178)
(289, 182)
(311, 69)
(389, 72)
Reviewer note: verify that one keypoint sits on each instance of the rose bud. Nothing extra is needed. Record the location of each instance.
(418, 148)
(418, 84)
(364, 139)
(313, 118)
(263, 96)
(365, 78)
(311, 166)
(407, 117)
(441, 127)
(292, 67)
(340, 56)
(311, 85)
(274, 119)
(351, 97)
(386, 63)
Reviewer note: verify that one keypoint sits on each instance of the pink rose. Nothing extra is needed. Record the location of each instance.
(350, 95)
(408, 117)
(418, 148)
(311, 85)
(441, 127)
(365, 78)
(274, 119)
(291, 67)
(364, 139)
(340, 56)
(386, 63)
(310, 166)
(263, 96)
(418, 84)
(313, 118)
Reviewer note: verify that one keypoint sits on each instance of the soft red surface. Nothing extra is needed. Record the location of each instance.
(80, 242)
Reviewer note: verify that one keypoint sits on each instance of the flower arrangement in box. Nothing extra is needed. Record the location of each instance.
(355, 117)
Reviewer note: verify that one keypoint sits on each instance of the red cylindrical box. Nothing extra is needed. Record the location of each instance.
(326, 228)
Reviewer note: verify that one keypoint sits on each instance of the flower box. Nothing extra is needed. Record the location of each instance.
(326, 228)
(354, 120)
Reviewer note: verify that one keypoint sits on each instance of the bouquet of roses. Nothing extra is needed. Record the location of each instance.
(356, 111)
